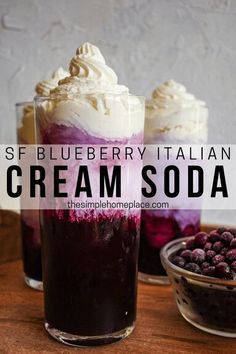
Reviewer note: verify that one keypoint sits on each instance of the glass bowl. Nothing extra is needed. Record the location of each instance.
(207, 303)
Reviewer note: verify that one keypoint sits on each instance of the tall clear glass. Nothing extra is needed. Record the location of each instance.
(184, 124)
(89, 258)
(30, 228)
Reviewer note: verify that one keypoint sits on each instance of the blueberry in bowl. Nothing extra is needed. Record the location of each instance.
(202, 271)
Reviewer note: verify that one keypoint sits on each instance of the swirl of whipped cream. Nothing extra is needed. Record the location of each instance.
(90, 64)
(89, 73)
(44, 87)
(26, 133)
(174, 115)
(171, 93)
(92, 101)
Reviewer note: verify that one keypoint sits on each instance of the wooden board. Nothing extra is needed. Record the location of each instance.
(159, 329)
(10, 240)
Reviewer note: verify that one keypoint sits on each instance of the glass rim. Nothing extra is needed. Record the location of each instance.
(69, 96)
(185, 273)
(185, 103)
(23, 103)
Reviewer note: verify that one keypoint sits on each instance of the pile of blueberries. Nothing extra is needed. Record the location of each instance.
(212, 255)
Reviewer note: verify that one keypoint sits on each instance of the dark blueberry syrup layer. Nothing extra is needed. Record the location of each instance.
(90, 273)
(31, 253)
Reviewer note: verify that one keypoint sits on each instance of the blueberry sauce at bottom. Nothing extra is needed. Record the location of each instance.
(32, 263)
(90, 273)
(155, 233)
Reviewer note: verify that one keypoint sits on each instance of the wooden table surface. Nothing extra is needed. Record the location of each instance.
(10, 241)
(159, 329)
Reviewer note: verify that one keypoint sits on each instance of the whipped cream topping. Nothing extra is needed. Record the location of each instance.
(171, 93)
(26, 133)
(90, 64)
(174, 114)
(89, 73)
(92, 100)
(44, 87)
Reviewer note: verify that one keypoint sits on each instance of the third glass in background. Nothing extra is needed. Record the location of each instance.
(30, 227)
(173, 116)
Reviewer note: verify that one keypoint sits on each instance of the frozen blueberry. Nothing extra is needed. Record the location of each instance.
(193, 267)
(224, 251)
(231, 255)
(220, 230)
(190, 244)
(233, 243)
(217, 246)
(214, 236)
(233, 265)
(205, 265)
(209, 255)
(223, 270)
(178, 253)
(233, 231)
(212, 255)
(198, 256)
(208, 246)
(226, 237)
(209, 272)
(217, 259)
(179, 261)
(186, 254)
(201, 239)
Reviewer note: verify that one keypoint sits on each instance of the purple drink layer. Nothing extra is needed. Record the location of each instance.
(78, 216)
(157, 229)
(31, 244)
(56, 134)
(63, 134)
(90, 273)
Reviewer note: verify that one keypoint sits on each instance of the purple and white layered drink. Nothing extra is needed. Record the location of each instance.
(90, 256)
(173, 116)
(30, 228)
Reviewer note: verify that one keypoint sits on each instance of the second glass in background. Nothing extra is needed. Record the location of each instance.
(173, 116)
